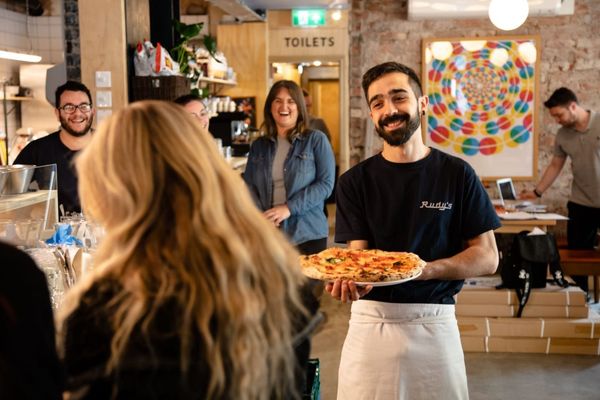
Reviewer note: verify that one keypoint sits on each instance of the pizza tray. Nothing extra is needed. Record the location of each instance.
(389, 283)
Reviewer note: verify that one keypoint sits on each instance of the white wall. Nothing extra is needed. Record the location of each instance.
(43, 36)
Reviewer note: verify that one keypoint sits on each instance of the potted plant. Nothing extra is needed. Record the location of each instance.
(186, 54)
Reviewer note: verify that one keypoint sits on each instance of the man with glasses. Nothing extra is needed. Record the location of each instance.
(75, 113)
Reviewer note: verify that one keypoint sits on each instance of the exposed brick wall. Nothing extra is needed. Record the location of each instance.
(72, 49)
(570, 56)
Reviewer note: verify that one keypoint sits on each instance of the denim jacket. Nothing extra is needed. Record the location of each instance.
(308, 176)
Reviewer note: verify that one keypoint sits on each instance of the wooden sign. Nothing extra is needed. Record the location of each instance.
(308, 42)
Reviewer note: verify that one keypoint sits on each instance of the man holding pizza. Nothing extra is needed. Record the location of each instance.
(403, 340)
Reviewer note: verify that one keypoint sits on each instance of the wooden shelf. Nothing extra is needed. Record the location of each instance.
(214, 84)
(17, 98)
(14, 202)
(218, 81)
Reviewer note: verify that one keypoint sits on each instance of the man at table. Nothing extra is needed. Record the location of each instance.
(75, 113)
(579, 139)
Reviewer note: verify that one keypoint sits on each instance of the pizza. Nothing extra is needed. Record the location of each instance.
(361, 265)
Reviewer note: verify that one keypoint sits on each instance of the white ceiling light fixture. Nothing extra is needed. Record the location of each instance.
(508, 15)
(336, 15)
(18, 55)
(317, 63)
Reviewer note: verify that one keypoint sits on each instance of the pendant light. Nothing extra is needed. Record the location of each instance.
(508, 14)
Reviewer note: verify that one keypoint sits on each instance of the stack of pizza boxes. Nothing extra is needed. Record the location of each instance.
(554, 321)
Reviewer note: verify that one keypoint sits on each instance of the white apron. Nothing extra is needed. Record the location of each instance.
(402, 351)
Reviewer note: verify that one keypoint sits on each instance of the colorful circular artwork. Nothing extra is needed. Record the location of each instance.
(481, 101)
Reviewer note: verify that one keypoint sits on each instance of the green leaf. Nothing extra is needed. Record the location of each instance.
(210, 42)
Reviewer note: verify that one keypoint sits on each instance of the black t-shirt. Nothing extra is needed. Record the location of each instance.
(429, 207)
(29, 365)
(51, 150)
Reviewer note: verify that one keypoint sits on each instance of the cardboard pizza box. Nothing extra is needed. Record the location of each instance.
(485, 296)
(473, 344)
(473, 326)
(516, 327)
(483, 291)
(574, 346)
(484, 310)
(532, 310)
(518, 345)
(570, 328)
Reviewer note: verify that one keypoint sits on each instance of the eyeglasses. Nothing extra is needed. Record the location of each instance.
(70, 108)
(201, 114)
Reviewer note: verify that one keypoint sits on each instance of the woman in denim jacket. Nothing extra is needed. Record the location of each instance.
(290, 170)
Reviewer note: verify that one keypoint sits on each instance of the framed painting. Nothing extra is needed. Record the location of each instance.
(483, 102)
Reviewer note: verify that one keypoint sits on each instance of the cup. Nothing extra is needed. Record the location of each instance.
(219, 143)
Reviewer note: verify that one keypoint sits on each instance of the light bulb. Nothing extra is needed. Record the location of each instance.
(508, 14)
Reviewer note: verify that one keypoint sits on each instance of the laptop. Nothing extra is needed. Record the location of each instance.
(506, 190)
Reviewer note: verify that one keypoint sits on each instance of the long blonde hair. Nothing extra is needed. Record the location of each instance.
(182, 227)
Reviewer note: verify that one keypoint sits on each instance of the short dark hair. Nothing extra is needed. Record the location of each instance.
(561, 97)
(71, 86)
(296, 95)
(378, 71)
(187, 98)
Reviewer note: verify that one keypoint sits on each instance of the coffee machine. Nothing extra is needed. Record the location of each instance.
(231, 128)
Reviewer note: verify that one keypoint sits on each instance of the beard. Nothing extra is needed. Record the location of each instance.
(64, 124)
(400, 135)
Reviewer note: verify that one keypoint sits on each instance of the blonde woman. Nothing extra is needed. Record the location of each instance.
(193, 294)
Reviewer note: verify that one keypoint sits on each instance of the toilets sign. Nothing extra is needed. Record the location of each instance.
(313, 42)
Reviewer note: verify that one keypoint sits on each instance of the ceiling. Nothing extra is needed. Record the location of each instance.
(289, 4)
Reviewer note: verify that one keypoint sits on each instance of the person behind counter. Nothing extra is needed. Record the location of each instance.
(29, 366)
(411, 198)
(193, 294)
(75, 112)
(196, 107)
(290, 170)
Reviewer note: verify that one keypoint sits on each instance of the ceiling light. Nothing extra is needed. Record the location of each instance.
(508, 14)
(336, 15)
(11, 55)
(317, 63)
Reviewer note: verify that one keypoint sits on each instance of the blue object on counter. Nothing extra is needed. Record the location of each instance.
(63, 236)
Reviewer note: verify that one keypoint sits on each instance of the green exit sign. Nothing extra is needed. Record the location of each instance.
(308, 17)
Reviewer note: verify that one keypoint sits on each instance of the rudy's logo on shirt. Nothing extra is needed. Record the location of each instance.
(440, 205)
